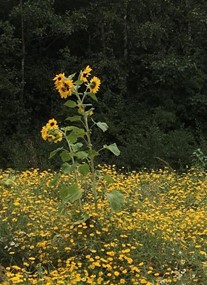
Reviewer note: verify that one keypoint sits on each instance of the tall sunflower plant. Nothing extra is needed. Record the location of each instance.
(78, 153)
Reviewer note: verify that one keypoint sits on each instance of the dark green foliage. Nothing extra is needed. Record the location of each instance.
(150, 56)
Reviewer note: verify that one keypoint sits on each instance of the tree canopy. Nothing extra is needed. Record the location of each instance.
(151, 57)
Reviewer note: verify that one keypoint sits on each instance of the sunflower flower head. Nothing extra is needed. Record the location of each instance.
(66, 89)
(44, 133)
(59, 79)
(94, 85)
(58, 136)
(85, 73)
(54, 136)
(52, 124)
(51, 132)
(50, 138)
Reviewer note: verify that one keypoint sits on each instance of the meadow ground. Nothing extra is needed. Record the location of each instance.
(159, 237)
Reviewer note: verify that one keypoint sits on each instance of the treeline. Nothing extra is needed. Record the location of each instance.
(151, 57)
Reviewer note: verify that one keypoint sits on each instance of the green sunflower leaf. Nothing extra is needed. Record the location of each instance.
(70, 104)
(72, 138)
(116, 200)
(53, 153)
(113, 148)
(108, 179)
(103, 126)
(75, 147)
(84, 168)
(85, 218)
(65, 155)
(73, 118)
(70, 193)
(68, 168)
(93, 153)
(93, 96)
(76, 130)
(81, 155)
(7, 181)
(75, 134)
(78, 82)
(71, 76)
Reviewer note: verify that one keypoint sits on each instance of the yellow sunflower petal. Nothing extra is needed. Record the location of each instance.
(94, 85)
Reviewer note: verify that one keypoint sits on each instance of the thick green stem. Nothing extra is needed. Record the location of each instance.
(76, 173)
(91, 162)
(90, 147)
(94, 184)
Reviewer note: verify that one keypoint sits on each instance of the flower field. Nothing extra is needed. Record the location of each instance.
(159, 236)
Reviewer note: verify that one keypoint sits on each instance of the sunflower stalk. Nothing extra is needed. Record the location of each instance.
(76, 171)
(79, 158)
(90, 147)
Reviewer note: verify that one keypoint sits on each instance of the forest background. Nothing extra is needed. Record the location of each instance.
(151, 57)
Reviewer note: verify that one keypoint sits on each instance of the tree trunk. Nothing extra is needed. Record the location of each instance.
(126, 30)
(23, 54)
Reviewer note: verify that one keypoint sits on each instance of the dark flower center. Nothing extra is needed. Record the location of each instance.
(66, 87)
(93, 85)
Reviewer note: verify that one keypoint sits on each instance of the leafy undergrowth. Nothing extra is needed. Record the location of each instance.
(159, 237)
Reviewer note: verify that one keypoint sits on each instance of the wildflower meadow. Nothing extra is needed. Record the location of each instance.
(96, 224)
(159, 236)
